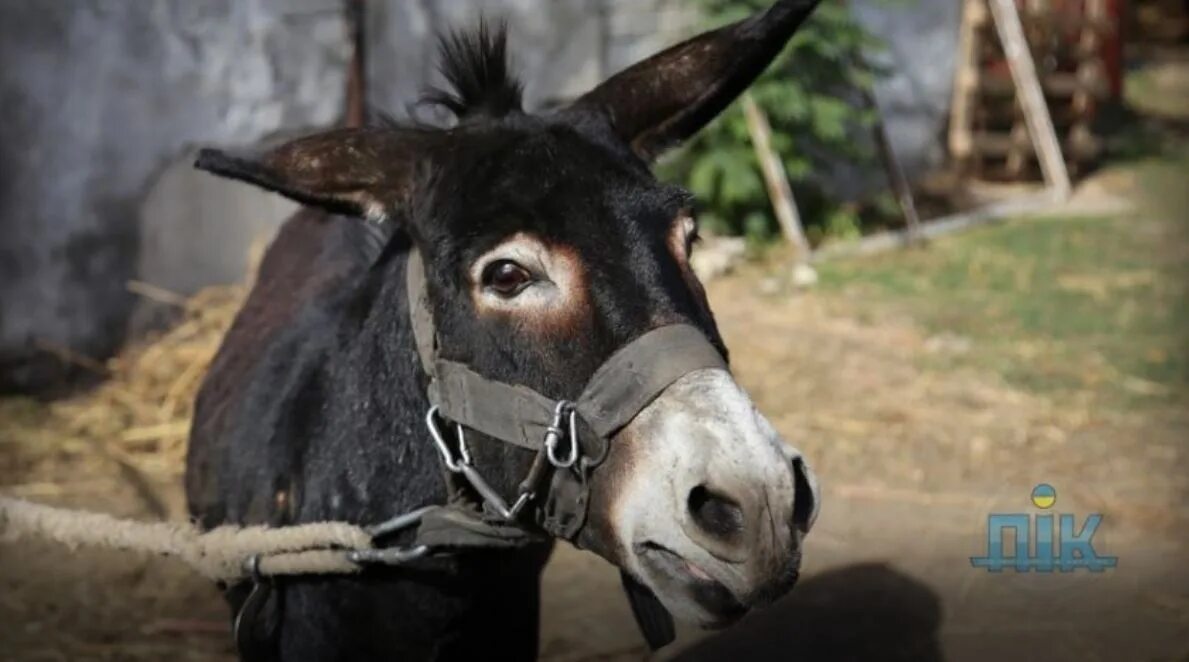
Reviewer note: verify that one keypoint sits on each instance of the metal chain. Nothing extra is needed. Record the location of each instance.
(392, 555)
(565, 414)
(462, 465)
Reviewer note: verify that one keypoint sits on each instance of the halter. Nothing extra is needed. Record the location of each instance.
(570, 438)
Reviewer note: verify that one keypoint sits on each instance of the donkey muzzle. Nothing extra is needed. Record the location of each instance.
(710, 506)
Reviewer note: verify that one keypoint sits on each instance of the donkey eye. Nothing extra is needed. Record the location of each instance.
(506, 278)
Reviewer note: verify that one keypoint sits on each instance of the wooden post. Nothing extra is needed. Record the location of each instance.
(1019, 145)
(779, 191)
(356, 114)
(887, 156)
(894, 170)
(1031, 96)
(966, 76)
(1091, 71)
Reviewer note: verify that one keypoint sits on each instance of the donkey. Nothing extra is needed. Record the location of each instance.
(538, 257)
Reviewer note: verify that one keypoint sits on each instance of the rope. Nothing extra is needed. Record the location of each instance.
(221, 554)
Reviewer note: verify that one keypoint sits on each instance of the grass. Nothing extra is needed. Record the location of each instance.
(1058, 304)
(1159, 90)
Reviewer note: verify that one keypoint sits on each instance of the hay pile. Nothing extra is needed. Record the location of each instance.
(139, 417)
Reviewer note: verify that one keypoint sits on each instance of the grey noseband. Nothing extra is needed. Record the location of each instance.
(621, 387)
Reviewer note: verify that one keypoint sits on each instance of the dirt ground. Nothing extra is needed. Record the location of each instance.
(923, 411)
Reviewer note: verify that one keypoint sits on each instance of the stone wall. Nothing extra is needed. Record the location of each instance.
(554, 45)
(98, 97)
(920, 54)
(561, 48)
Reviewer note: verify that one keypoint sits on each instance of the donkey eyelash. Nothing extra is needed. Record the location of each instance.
(693, 236)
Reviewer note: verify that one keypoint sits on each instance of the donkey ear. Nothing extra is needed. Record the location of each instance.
(665, 99)
(360, 171)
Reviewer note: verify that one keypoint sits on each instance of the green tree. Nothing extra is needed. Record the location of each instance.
(811, 94)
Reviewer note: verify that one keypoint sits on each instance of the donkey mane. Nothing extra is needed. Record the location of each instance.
(475, 66)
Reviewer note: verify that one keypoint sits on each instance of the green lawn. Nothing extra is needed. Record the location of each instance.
(1092, 304)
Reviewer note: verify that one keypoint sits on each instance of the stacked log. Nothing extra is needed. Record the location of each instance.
(1075, 44)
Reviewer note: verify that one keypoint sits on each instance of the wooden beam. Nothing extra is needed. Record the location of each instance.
(1031, 97)
(776, 179)
(1015, 144)
(887, 241)
(1030, 18)
(892, 167)
(356, 114)
(1056, 84)
(966, 82)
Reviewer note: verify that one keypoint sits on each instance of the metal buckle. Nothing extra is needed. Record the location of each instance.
(464, 453)
(554, 434)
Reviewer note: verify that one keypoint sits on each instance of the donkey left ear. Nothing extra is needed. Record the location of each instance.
(361, 172)
(661, 101)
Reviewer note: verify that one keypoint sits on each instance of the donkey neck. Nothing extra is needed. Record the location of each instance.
(372, 457)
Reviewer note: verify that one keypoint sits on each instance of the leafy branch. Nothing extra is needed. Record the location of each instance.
(811, 94)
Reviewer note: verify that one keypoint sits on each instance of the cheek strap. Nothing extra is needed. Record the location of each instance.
(619, 390)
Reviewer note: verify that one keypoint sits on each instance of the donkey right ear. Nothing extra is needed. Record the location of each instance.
(663, 100)
(361, 172)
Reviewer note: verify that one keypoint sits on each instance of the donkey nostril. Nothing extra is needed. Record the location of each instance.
(804, 499)
(714, 513)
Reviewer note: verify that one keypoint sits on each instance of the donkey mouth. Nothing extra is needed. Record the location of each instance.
(674, 571)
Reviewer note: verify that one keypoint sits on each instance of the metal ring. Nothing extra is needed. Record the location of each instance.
(574, 433)
(443, 447)
(464, 451)
(553, 435)
(252, 566)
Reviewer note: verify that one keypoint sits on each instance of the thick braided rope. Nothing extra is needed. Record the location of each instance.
(220, 554)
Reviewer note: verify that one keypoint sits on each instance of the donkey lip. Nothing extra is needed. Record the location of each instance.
(710, 594)
(675, 564)
(697, 572)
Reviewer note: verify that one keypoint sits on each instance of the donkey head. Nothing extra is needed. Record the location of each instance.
(548, 245)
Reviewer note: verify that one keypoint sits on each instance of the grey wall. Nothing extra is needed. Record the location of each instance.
(921, 38)
(555, 45)
(561, 48)
(96, 98)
